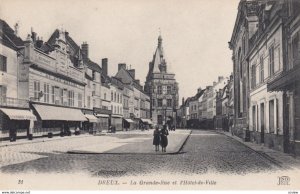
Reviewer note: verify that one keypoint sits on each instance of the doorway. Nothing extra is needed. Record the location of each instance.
(262, 123)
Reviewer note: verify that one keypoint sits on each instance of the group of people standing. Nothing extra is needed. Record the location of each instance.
(160, 137)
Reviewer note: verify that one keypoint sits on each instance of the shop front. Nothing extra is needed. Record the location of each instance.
(15, 123)
(54, 120)
(103, 118)
(117, 122)
(128, 124)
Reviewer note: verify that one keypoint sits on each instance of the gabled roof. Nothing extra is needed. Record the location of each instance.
(8, 37)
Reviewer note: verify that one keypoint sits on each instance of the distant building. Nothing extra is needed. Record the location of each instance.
(162, 88)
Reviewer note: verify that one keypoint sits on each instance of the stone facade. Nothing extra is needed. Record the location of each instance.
(162, 88)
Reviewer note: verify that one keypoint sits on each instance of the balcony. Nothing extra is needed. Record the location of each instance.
(13, 102)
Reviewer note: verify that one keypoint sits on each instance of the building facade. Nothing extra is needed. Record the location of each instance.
(162, 88)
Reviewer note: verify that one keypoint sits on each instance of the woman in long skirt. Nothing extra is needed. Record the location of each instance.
(156, 138)
(164, 138)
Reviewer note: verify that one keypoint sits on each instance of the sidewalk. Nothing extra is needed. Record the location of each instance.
(138, 143)
(278, 158)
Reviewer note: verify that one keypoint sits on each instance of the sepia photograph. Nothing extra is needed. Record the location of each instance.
(103, 95)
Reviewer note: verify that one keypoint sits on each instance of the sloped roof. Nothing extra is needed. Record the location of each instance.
(93, 66)
(8, 36)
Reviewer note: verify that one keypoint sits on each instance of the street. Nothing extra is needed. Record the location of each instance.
(204, 152)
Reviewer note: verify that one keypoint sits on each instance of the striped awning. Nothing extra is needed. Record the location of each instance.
(59, 113)
(18, 114)
(129, 120)
(147, 121)
(91, 118)
(102, 115)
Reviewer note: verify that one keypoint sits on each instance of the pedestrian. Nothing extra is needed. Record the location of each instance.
(164, 138)
(156, 138)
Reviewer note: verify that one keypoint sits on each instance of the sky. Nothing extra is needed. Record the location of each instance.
(195, 33)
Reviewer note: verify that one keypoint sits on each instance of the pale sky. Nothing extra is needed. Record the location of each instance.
(195, 33)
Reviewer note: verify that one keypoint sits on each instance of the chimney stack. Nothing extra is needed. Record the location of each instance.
(85, 50)
(104, 66)
(220, 78)
(132, 73)
(121, 65)
(33, 35)
(17, 29)
(137, 81)
(214, 83)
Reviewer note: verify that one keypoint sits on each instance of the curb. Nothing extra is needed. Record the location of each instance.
(262, 154)
(44, 139)
(131, 153)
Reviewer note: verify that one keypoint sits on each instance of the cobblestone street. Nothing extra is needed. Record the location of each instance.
(204, 152)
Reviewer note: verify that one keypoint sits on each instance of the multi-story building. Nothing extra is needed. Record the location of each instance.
(52, 78)
(15, 117)
(162, 88)
(137, 98)
(116, 90)
(104, 113)
(244, 28)
(270, 53)
(193, 122)
(92, 93)
(288, 81)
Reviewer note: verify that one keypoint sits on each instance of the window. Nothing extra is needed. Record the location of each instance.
(94, 103)
(112, 108)
(118, 98)
(53, 94)
(88, 101)
(159, 89)
(168, 89)
(88, 83)
(296, 50)
(3, 63)
(159, 119)
(36, 90)
(271, 60)
(261, 69)
(254, 118)
(71, 98)
(115, 97)
(104, 96)
(153, 102)
(253, 76)
(271, 116)
(61, 96)
(112, 96)
(159, 102)
(46, 92)
(79, 100)
(3, 91)
(93, 75)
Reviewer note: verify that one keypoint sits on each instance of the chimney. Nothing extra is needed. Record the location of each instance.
(121, 65)
(220, 78)
(199, 90)
(104, 66)
(183, 101)
(85, 50)
(132, 72)
(214, 83)
(33, 35)
(39, 43)
(137, 81)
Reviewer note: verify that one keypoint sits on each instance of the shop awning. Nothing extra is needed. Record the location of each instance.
(147, 121)
(18, 114)
(59, 113)
(129, 120)
(102, 115)
(91, 118)
(117, 116)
